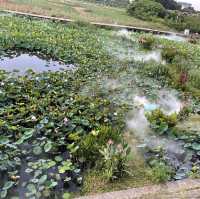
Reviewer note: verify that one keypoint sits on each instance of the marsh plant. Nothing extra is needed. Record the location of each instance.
(161, 122)
(161, 171)
(146, 42)
(114, 160)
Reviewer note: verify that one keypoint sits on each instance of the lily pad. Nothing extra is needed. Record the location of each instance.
(8, 185)
(47, 146)
(4, 140)
(196, 146)
(37, 150)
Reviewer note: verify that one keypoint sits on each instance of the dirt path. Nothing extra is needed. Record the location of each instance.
(186, 189)
(80, 10)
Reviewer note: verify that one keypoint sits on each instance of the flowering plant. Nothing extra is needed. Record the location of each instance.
(114, 159)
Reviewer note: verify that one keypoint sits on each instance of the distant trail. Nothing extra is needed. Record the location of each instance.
(116, 26)
(185, 189)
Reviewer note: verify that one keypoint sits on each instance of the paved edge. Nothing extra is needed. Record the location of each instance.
(131, 28)
(186, 189)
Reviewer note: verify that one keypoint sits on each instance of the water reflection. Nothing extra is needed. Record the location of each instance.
(23, 62)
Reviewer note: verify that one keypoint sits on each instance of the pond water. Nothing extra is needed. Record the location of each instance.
(23, 62)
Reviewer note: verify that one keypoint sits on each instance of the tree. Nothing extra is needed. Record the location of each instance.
(169, 4)
(146, 9)
(117, 3)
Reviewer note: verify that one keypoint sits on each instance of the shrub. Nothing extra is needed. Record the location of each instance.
(169, 54)
(180, 21)
(104, 150)
(169, 4)
(146, 42)
(160, 122)
(161, 172)
(174, 55)
(157, 71)
(194, 77)
(193, 23)
(145, 9)
(90, 144)
(114, 160)
(116, 3)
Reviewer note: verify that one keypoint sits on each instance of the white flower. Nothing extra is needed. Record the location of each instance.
(33, 118)
(65, 120)
(95, 133)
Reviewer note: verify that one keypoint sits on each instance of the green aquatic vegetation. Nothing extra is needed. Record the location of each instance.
(169, 54)
(89, 145)
(52, 128)
(161, 172)
(161, 122)
(67, 44)
(147, 42)
(42, 116)
(114, 160)
(194, 77)
(41, 121)
(182, 68)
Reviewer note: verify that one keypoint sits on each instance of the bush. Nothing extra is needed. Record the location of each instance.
(157, 71)
(114, 160)
(116, 3)
(146, 42)
(160, 122)
(161, 172)
(91, 144)
(169, 4)
(104, 150)
(192, 23)
(181, 22)
(169, 54)
(145, 9)
(174, 55)
(194, 77)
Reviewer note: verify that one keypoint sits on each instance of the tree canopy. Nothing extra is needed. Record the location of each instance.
(169, 4)
(145, 9)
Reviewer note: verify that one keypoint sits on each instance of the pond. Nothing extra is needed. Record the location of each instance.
(22, 62)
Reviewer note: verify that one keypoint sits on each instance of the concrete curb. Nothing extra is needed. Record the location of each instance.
(185, 189)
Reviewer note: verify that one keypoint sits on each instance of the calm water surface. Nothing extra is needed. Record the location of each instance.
(24, 62)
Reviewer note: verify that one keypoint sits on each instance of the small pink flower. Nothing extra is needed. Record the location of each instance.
(110, 142)
(65, 120)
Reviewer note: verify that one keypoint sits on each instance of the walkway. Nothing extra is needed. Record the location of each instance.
(186, 189)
